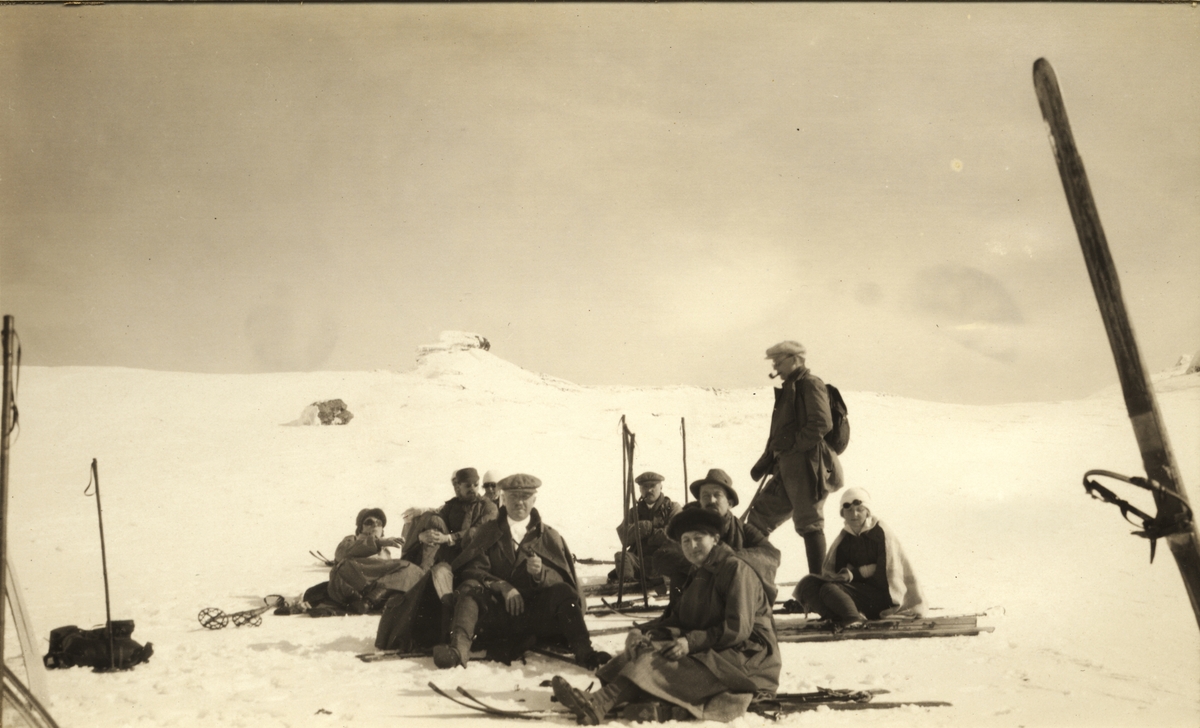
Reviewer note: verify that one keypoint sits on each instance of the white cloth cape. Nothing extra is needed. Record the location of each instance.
(902, 581)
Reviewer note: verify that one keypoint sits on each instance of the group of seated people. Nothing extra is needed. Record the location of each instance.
(493, 575)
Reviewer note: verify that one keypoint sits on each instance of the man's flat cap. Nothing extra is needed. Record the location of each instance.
(520, 483)
(491, 476)
(648, 478)
(786, 348)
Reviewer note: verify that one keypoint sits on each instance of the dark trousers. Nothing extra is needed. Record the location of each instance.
(553, 612)
(841, 601)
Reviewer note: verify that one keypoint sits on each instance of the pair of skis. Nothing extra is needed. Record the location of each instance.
(386, 655)
(966, 625)
(772, 707)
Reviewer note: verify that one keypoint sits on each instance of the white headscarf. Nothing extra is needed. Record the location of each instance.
(860, 494)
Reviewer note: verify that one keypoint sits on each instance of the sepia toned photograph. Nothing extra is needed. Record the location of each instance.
(333, 333)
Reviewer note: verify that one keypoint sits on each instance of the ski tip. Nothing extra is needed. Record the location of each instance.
(1043, 75)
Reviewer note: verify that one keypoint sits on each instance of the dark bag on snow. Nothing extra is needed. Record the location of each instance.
(74, 647)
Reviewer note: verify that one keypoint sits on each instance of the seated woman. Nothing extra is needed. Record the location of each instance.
(865, 575)
(709, 656)
(367, 566)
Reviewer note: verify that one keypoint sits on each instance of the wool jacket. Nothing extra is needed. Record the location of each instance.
(464, 518)
(489, 556)
(801, 416)
(751, 545)
(799, 421)
(725, 615)
(658, 515)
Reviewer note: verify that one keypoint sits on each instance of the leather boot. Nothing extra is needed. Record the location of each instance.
(462, 634)
(572, 626)
(814, 549)
(592, 708)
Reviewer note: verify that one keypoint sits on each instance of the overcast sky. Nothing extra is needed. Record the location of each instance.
(630, 194)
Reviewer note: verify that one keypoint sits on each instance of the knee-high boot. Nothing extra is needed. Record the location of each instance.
(462, 634)
(814, 549)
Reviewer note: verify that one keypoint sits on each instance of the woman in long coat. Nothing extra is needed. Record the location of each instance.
(711, 655)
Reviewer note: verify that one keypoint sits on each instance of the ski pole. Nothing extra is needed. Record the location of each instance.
(683, 434)
(95, 480)
(633, 500)
(761, 482)
(7, 421)
(621, 560)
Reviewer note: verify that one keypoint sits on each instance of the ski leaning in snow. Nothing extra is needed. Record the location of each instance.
(1174, 520)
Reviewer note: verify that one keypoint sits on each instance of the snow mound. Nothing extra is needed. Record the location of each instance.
(1184, 375)
(463, 358)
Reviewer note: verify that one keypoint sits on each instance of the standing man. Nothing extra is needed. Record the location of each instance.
(802, 467)
(647, 522)
(715, 493)
(518, 584)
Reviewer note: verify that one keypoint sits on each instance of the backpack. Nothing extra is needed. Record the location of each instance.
(71, 647)
(839, 437)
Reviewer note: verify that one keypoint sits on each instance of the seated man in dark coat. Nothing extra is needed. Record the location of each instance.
(435, 537)
(645, 523)
(518, 584)
(715, 493)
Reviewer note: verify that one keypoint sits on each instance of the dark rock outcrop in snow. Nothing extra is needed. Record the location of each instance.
(329, 412)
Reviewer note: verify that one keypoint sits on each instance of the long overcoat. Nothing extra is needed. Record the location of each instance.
(726, 617)
(490, 556)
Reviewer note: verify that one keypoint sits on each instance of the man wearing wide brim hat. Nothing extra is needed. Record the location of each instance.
(646, 522)
(803, 469)
(715, 493)
(518, 584)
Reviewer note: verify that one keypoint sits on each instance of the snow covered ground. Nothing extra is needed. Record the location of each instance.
(211, 501)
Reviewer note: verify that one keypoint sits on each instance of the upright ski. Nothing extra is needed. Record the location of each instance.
(1173, 521)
